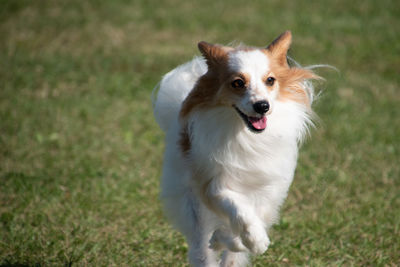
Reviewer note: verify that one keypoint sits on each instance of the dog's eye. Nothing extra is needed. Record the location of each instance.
(270, 81)
(238, 83)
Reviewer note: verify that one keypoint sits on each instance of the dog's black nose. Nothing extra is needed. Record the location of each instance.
(261, 107)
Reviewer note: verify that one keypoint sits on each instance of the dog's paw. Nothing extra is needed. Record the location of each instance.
(255, 238)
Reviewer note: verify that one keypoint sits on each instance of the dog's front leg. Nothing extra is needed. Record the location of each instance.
(241, 215)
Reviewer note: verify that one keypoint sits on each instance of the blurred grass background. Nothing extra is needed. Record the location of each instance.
(80, 153)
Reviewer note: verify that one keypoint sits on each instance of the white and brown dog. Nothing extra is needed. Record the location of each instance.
(233, 121)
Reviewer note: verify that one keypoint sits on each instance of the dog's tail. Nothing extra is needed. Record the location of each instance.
(169, 94)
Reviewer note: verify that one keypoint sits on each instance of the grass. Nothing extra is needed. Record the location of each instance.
(80, 153)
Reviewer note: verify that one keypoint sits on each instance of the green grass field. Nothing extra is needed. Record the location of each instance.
(80, 152)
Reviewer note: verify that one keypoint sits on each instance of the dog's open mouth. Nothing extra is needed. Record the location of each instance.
(254, 124)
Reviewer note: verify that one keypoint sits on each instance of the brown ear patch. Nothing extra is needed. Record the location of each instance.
(291, 80)
(284, 39)
(280, 46)
(213, 53)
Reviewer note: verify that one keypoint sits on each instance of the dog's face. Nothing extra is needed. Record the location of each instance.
(248, 80)
(249, 87)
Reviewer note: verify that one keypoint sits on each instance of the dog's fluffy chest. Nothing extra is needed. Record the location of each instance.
(222, 148)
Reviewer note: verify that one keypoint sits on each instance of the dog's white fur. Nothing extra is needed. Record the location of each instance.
(247, 174)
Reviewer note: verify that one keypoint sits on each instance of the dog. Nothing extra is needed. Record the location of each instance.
(234, 119)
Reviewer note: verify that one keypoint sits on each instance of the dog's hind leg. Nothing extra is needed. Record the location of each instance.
(200, 255)
(234, 259)
(198, 238)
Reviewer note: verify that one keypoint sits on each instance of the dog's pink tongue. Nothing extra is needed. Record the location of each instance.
(258, 123)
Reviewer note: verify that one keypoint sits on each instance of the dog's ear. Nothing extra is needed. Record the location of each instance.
(214, 54)
(280, 46)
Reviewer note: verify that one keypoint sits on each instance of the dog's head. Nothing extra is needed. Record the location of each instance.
(248, 80)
